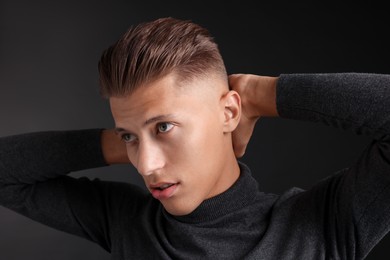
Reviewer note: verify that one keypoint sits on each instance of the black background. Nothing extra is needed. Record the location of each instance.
(48, 81)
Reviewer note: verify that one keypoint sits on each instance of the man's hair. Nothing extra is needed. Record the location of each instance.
(152, 50)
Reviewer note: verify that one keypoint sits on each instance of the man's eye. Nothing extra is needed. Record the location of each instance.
(127, 138)
(164, 127)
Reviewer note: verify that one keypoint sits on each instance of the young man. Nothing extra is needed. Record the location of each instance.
(178, 122)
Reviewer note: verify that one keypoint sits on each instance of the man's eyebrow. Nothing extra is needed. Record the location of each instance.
(148, 121)
(157, 118)
(119, 129)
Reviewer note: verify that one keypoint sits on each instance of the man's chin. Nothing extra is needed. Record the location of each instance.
(179, 210)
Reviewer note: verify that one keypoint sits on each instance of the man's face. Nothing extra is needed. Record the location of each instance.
(177, 140)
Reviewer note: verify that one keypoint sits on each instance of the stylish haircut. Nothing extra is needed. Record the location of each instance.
(152, 50)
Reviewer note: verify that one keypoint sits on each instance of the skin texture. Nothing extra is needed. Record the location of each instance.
(181, 135)
(258, 97)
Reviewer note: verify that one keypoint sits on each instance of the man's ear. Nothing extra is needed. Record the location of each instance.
(232, 111)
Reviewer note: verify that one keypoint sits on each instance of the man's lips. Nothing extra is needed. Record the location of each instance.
(161, 185)
(163, 190)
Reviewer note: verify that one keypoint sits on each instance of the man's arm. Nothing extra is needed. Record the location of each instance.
(35, 157)
(350, 210)
(344, 100)
(34, 181)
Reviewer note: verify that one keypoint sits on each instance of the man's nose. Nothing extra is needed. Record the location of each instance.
(150, 158)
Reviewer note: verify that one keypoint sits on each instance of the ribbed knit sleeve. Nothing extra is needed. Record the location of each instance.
(34, 181)
(356, 101)
(36, 157)
(349, 210)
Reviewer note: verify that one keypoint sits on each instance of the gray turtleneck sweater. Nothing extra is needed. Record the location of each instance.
(342, 217)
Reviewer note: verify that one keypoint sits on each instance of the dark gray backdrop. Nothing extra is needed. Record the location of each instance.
(48, 81)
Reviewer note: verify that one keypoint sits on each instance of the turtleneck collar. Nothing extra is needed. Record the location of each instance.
(240, 194)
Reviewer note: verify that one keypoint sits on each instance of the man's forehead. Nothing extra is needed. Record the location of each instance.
(149, 106)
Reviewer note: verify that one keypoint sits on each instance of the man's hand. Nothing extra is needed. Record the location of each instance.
(114, 150)
(258, 99)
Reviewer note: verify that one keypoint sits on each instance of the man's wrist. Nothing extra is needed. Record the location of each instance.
(114, 150)
(264, 96)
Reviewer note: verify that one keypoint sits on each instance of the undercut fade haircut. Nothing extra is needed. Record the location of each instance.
(152, 50)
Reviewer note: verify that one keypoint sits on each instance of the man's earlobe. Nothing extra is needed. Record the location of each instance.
(232, 111)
